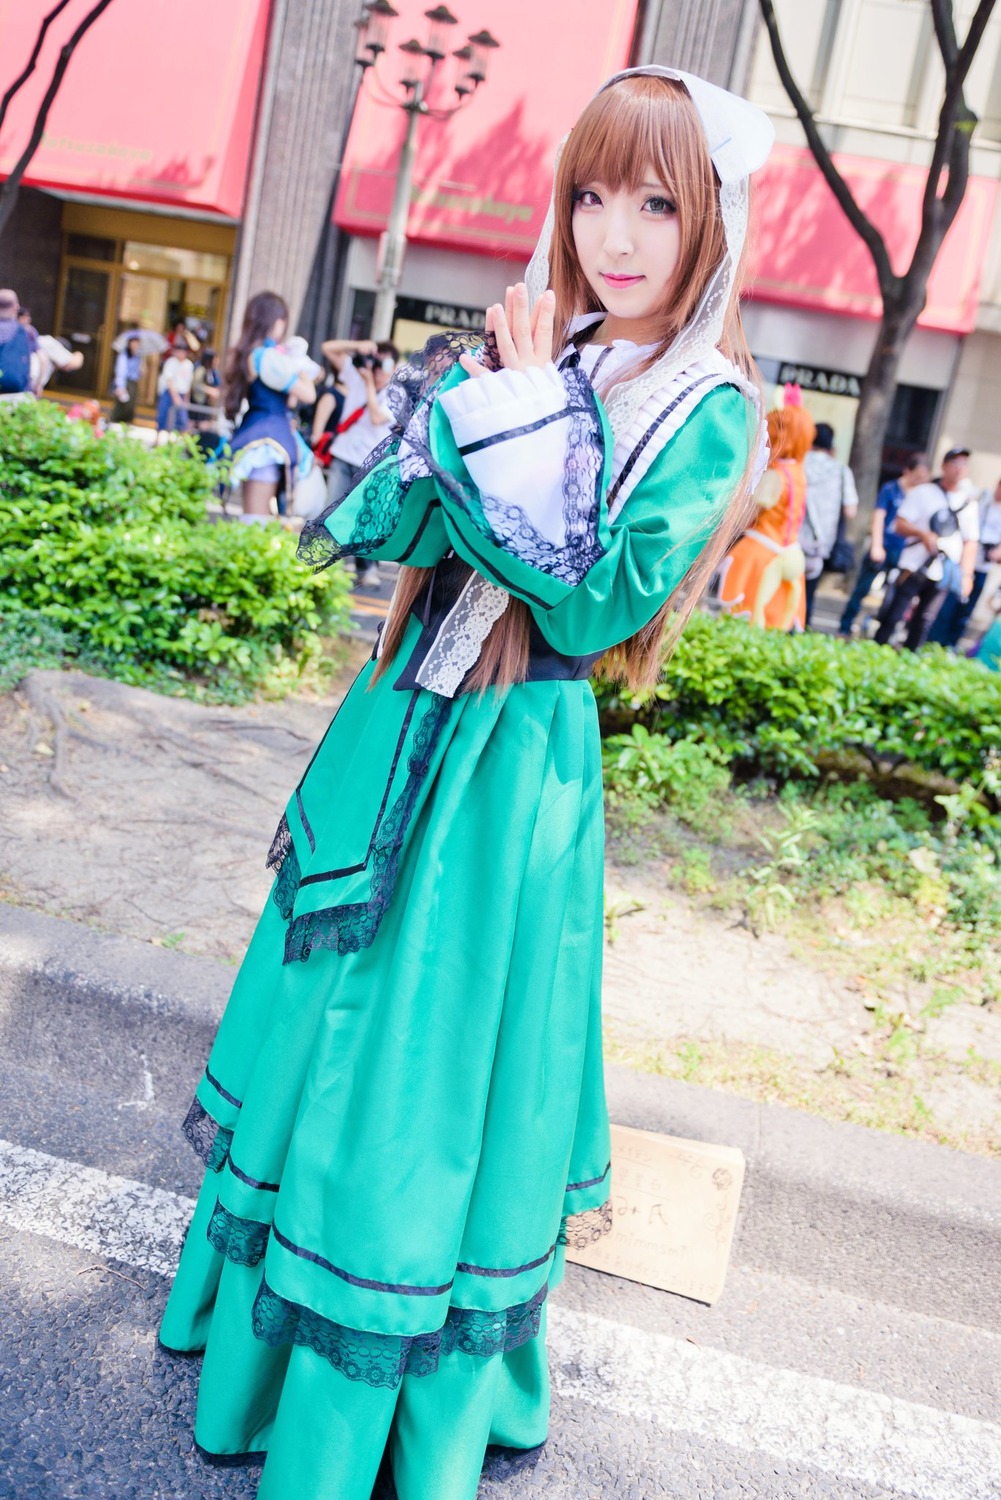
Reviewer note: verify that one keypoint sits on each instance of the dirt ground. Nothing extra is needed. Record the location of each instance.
(151, 816)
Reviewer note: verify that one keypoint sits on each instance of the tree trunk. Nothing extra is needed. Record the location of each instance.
(879, 387)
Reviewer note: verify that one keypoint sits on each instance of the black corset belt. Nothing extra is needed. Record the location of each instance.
(432, 606)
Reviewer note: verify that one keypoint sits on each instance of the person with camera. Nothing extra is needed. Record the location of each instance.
(940, 524)
(885, 546)
(364, 368)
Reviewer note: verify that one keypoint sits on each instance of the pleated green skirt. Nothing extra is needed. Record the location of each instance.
(403, 1114)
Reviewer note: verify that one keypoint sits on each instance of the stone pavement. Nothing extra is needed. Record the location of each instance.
(853, 1353)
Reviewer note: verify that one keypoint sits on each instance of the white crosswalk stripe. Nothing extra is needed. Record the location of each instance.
(849, 1431)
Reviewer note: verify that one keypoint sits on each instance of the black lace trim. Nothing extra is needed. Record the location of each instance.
(206, 1137)
(381, 1359)
(411, 390)
(287, 880)
(348, 928)
(580, 1231)
(281, 846)
(243, 1241)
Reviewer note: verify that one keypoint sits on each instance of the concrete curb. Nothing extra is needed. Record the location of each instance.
(839, 1206)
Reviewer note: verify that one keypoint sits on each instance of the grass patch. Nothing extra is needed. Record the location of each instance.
(883, 1090)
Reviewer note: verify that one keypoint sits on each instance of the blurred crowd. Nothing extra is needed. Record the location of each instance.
(931, 555)
(299, 431)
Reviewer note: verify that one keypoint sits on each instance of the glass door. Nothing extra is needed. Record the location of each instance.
(142, 303)
(84, 323)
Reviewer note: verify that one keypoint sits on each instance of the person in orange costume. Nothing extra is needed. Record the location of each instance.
(763, 578)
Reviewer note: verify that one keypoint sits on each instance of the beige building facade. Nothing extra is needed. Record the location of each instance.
(872, 72)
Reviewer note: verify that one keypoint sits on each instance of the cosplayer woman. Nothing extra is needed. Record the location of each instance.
(764, 578)
(268, 453)
(403, 1114)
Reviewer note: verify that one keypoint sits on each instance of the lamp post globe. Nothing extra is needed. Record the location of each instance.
(415, 90)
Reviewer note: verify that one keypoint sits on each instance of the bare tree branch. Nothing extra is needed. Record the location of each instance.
(903, 295)
(954, 117)
(33, 59)
(859, 220)
(9, 189)
(945, 31)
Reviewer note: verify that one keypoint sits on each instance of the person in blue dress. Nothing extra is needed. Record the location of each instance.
(268, 453)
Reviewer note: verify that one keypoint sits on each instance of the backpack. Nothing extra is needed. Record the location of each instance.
(15, 364)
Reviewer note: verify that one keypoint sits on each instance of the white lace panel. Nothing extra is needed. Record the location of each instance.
(458, 644)
(413, 444)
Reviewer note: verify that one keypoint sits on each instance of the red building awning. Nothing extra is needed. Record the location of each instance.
(482, 180)
(157, 104)
(805, 253)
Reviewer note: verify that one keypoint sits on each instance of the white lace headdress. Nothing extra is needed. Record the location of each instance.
(739, 136)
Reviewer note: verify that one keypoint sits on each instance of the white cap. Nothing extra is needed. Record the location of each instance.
(740, 135)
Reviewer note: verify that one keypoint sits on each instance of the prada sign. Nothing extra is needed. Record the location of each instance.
(831, 382)
(446, 314)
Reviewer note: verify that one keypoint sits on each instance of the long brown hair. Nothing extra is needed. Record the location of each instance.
(260, 316)
(636, 123)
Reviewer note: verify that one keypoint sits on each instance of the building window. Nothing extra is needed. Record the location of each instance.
(984, 88)
(887, 62)
(808, 29)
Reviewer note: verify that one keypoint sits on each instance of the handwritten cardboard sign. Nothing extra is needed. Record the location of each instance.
(674, 1208)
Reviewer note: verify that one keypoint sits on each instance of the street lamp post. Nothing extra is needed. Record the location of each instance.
(412, 93)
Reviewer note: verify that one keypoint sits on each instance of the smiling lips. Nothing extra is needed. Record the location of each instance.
(620, 281)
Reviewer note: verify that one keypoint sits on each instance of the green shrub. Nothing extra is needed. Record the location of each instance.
(29, 640)
(109, 544)
(688, 775)
(784, 706)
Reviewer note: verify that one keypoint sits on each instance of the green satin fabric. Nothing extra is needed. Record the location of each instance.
(413, 1119)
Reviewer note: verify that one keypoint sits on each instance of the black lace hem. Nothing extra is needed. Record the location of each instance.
(380, 1359)
(242, 1241)
(206, 1137)
(580, 1231)
(353, 926)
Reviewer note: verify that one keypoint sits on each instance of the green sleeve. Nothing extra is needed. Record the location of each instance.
(386, 519)
(660, 531)
(641, 557)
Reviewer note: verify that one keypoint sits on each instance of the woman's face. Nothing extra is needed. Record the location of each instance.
(628, 243)
(278, 328)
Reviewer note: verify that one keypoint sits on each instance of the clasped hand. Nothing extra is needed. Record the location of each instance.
(524, 336)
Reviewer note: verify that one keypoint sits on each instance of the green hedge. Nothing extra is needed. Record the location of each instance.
(784, 706)
(110, 542)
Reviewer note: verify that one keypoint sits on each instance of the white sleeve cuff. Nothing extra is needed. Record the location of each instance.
(502, 401)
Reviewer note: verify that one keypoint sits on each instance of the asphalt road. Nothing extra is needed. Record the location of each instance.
(782, 1389)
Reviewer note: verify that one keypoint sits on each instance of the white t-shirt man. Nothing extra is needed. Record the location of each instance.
(925, 501)
(355, 443)
(177, 374)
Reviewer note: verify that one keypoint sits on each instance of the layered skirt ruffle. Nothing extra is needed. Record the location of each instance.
(403, 1116)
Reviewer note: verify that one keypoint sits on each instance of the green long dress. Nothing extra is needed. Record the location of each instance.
(403, 1113)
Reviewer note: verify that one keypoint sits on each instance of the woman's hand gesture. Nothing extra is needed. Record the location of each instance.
(524, 338)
